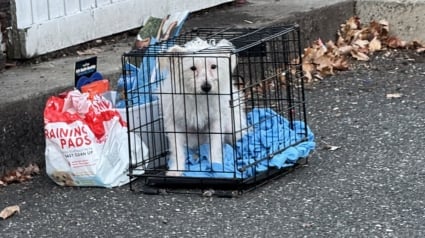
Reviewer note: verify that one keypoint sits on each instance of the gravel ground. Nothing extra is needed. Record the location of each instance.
(371, 185)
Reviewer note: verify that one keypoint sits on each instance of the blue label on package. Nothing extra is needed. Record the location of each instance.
(86, 68)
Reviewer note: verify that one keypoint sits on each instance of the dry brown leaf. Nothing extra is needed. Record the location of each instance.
(330, 45)
(385, 25)
(308, 70)
(394, 42)
(9, 211)
(355, 35)
(308, 67)
(324, 65)
(308, 76)
(362, 34)
(353, 23)
(91, 51)
(308, 55)
(415, 44)
(350, 36)
(325, 71)
(362, 50)
(32, 169)
(320, 44)
(378, 29)
(375, 45)
(340, 41)
(319, 52)
(345, 50)
(20, 174)
(11, 176)
(361, 43)
(359, 55)
(333, 50)
(340, 64)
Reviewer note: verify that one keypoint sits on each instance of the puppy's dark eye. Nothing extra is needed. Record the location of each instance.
(193, 68)
(213, 66)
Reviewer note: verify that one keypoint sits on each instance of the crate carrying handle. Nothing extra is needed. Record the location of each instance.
(212, 42)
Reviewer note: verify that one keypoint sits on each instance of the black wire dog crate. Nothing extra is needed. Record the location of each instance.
(217, 115)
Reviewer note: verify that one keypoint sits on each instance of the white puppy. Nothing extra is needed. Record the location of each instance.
(197, 98)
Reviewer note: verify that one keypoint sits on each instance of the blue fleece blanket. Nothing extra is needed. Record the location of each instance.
(271, 134)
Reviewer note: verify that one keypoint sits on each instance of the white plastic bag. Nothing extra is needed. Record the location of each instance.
(87, 142)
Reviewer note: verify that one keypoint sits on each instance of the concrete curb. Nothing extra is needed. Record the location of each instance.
(405, 17)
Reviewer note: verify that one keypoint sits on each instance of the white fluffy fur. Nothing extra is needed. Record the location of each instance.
(191, 115)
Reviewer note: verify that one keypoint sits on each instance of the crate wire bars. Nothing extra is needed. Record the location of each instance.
(268, 82)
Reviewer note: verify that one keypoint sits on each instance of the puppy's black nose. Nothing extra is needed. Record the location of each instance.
(206, 87)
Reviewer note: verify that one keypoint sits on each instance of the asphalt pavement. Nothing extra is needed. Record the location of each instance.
(370, 185)
(365, 179)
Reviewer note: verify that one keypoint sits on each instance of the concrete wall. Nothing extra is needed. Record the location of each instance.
(406, 17)
(43, 26)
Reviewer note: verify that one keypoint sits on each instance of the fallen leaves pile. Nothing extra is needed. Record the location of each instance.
(354, 42)
(20, 174)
